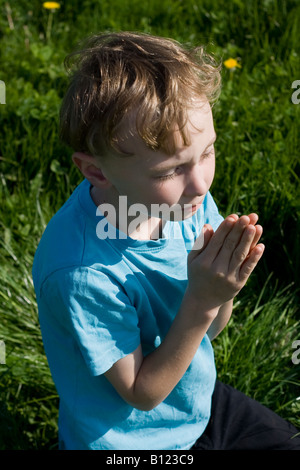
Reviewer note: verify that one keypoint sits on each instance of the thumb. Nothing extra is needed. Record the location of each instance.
(202, 241)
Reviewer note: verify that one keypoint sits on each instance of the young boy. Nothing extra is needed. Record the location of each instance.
(137, 272)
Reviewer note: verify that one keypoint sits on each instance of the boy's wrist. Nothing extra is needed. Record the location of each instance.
(197, 308)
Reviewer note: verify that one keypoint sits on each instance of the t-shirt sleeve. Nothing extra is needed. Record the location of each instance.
(96, 312)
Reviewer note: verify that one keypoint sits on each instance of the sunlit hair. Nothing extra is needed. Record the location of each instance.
(117, 75)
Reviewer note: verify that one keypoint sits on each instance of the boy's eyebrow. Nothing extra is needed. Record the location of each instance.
(171, 166)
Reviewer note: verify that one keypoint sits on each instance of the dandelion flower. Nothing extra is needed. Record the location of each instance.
(231, 63)
(51, 5)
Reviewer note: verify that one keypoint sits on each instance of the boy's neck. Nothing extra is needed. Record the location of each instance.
(149, 229)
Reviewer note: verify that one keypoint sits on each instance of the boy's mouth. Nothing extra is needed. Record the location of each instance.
(195, 207)
(189, 209)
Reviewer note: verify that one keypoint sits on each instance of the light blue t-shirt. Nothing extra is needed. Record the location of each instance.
(98, 299)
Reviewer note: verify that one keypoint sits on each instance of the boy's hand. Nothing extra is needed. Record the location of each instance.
(220, 268)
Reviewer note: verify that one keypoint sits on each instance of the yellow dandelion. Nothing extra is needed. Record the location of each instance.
(232, 63)
(51, 5)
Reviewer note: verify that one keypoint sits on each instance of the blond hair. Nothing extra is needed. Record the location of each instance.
(116, 74)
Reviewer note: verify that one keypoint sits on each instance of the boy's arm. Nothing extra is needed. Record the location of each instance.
(221, 268)
(144, 382)
(221, 320)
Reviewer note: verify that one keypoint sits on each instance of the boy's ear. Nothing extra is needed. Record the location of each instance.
(89, 167)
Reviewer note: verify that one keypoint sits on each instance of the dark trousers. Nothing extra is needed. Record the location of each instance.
(240, 423)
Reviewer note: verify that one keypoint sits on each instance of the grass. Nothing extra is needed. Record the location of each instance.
(257, 170)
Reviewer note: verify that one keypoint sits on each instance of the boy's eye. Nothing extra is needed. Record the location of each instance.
(208, 153)
(178, 170)
(170, 175)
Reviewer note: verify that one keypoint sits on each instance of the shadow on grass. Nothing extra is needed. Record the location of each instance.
(15, 433)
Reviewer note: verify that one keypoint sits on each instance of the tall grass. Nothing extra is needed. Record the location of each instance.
(257, 170)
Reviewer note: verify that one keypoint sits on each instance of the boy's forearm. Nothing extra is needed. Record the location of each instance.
(162, 369)
(221, 320)
(221, 268)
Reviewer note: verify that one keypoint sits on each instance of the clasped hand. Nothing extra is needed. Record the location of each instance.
(220, 268)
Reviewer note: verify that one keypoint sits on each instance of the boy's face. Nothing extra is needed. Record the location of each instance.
(152, 177)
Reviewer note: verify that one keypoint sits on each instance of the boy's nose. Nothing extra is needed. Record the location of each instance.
(195, 183)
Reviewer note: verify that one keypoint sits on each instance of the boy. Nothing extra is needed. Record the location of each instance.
(128, 304)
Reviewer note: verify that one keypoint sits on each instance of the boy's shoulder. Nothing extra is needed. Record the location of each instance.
(68, 238)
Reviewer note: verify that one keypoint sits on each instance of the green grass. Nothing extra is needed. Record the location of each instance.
(257, 170)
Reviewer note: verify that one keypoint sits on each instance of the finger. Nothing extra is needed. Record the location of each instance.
(253, 218)
(217, 240)
(242, 249)
(251, 262)
(258, 234)
(202, 241)
(231, 241)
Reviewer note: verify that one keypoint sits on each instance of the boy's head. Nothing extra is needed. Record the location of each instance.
(147, 81)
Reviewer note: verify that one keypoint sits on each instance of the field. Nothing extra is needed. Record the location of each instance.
(258, 149)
